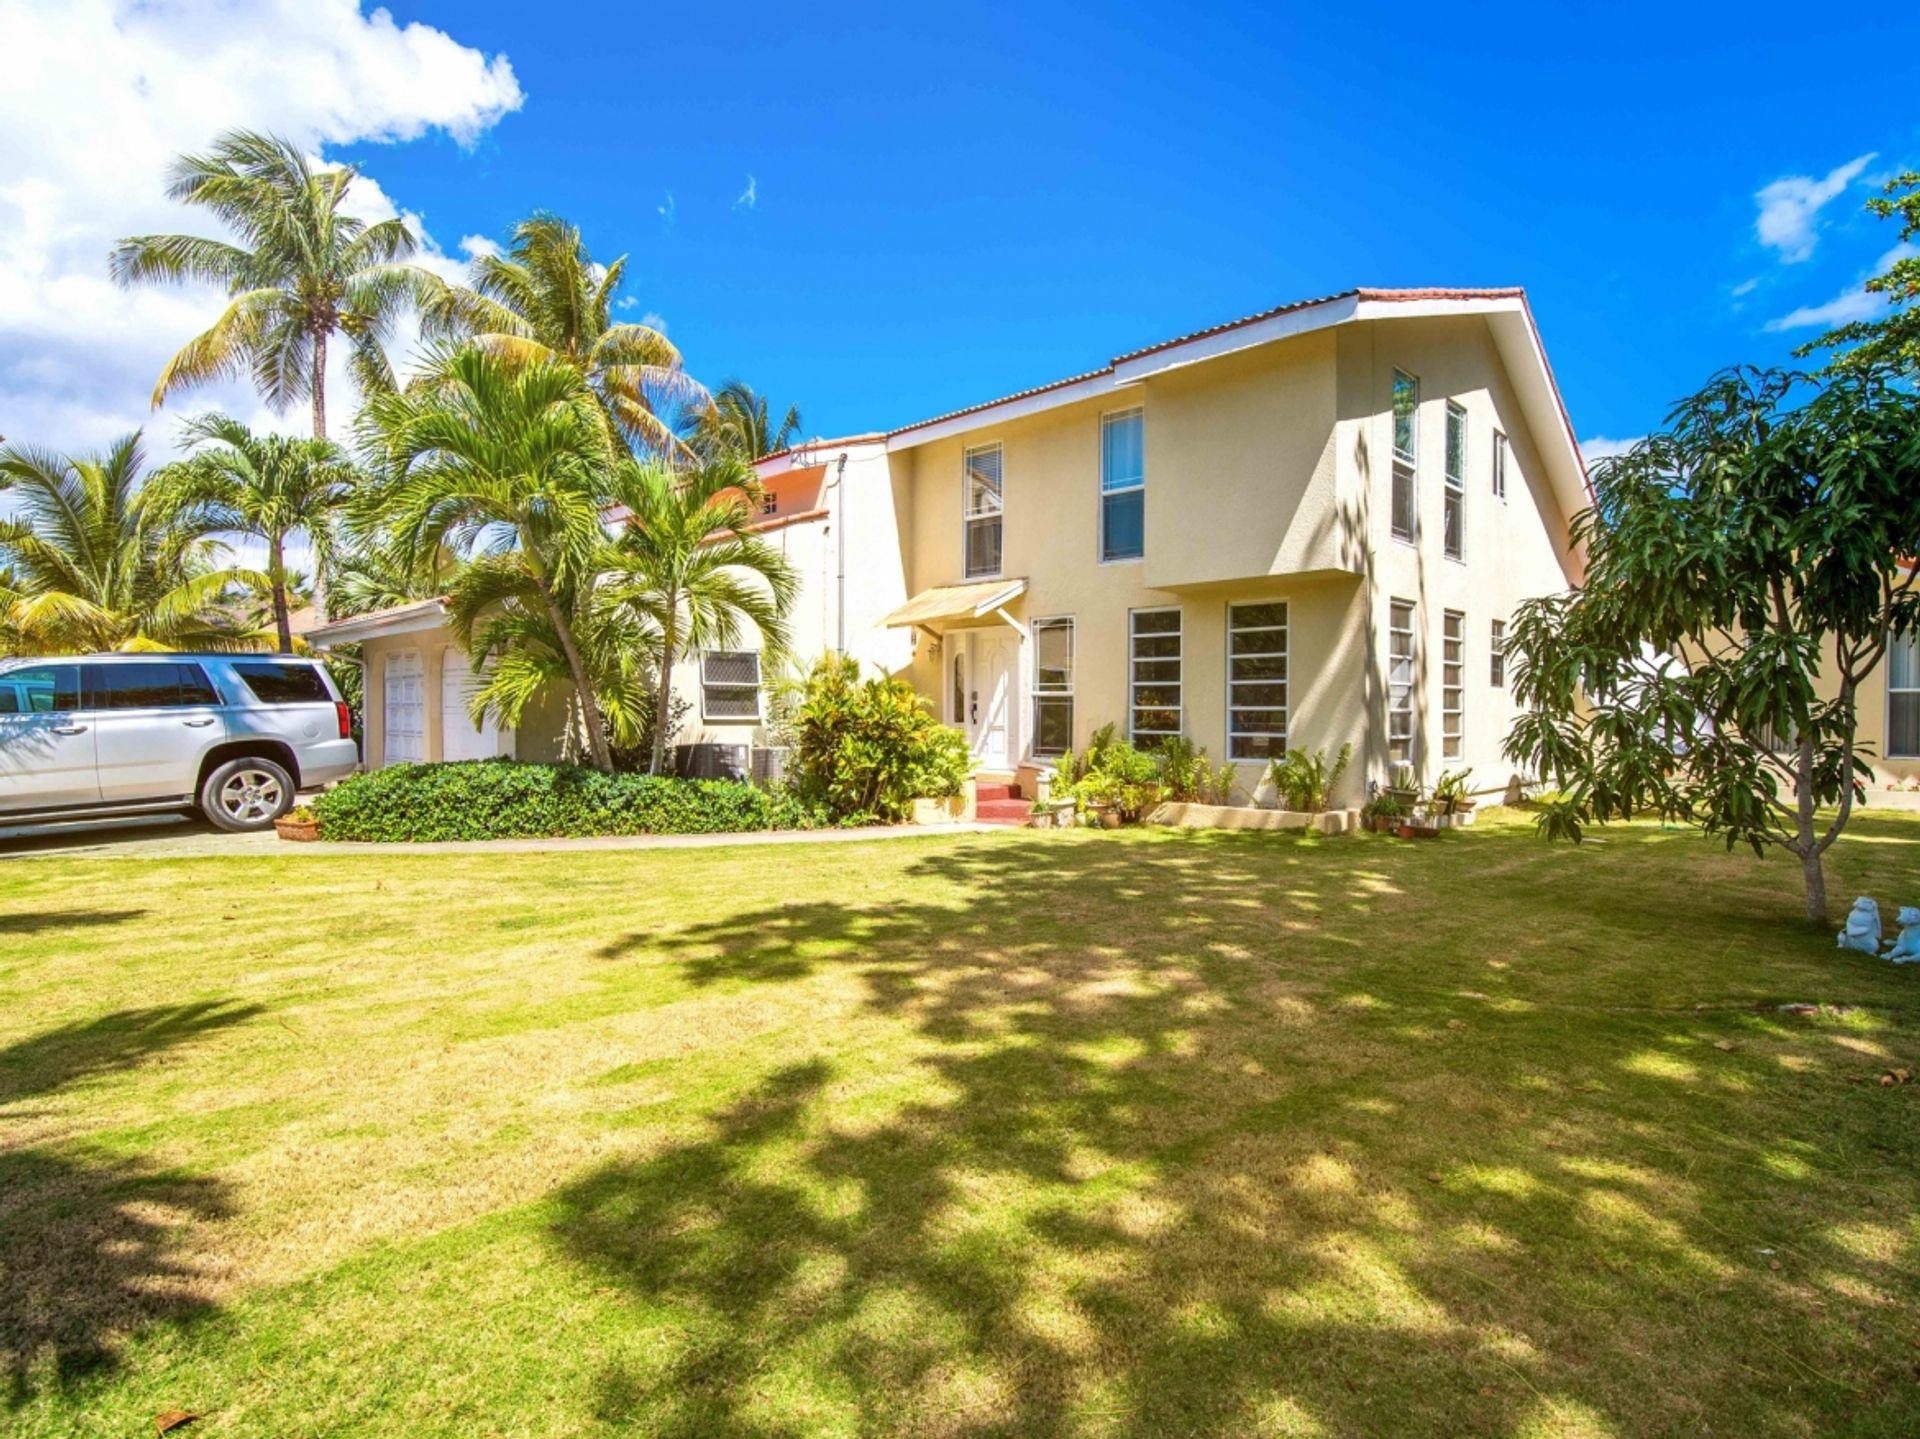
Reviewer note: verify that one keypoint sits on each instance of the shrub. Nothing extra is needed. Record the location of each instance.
(1117, 776)
(1305, 781)
(1192, 777)
(501, 799)
(865, 749)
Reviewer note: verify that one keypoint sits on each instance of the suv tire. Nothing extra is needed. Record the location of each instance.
(246, 794)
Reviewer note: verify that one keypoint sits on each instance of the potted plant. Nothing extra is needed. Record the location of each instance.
(298, 823)
(1382, 814)
(1305, 781)
(1450, 797)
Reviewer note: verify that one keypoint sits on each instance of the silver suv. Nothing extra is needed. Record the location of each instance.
(233, 736)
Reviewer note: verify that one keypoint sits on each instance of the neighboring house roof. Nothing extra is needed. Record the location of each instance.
(410, 618)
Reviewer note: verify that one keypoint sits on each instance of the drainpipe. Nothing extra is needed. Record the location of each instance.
(840, 555)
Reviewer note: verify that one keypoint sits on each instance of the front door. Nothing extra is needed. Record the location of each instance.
(990, 717)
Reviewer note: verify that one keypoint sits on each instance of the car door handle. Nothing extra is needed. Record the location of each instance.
(69, 729)
(197, 723)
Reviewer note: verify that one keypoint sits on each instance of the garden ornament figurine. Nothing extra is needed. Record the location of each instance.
(1863, 928)
(1906, 949)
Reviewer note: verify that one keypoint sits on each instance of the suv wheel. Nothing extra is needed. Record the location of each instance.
(246, 794)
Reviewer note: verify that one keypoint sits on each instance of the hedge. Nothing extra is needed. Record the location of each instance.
(502, 799)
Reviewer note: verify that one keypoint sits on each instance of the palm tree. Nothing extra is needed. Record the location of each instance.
(505, 461)
(94, 570)
(737, 421)
(687, 562)
(546, 300)
(302, 272)
(270, 487)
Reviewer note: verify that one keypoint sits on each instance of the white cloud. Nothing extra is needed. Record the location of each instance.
(654, 320)
(1600, 447)
(749, 197)
(666, 208)
(1746, 287)
(1790, 208)
(99, 97)
(1856, 303)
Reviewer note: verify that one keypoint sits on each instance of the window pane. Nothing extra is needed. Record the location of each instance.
(1500, 465)
(959, 689)
(1162, 670)
(1260, 694)
(1497, 654)
(1456, 444)
(1158, 622)
(1903, 662)
(983, 481)
(1259, 667)
(1123, 525)
(1270, 615)
(283, 684)
(1455, 523)
(1155, 647)
(1401, 666)
(1162, 696)
(133, 686)
(1903, 724)
(1155, 722)
(1053, 655)
(1053, 723)
(1403, 501)
(1247, 746)
(44, 689)
(983, 546)
(1123, 455)
(1406, 399)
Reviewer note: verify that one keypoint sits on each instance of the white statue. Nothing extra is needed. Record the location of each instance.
(1863, 928)
(1906, 949)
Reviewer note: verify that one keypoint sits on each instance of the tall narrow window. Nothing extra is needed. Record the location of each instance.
(1406, 438)
(1257, 680)
(1497, 655)
(983, 510)
(1123, 486)
(1153, 652)
(1499, 465)
(959, 685)
(1903, 695)
(1453, 528)
(1453, 684)
(1052, 686)
(1402, 664)
(730, 685)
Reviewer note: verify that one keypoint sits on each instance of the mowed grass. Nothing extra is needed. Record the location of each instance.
(1084, 1134)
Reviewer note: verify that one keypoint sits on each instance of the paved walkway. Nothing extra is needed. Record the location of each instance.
(183, 838)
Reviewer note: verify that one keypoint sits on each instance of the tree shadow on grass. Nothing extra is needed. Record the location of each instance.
(33, 922)
(91, 1245)
(1194, 1145)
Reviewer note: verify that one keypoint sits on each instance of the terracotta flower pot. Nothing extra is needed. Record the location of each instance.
(297, 829)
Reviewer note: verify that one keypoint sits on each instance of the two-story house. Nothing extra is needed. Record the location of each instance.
(1302, 528)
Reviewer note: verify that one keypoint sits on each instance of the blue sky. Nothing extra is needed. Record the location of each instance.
(949, 205)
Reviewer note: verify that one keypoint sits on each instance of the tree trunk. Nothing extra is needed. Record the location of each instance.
(662, 706)
(1808, 847)
(277, 573)
(589, 706)
(320, 385)
(1816, 879)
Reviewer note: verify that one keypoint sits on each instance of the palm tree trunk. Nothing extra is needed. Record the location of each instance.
(662, 706)
(277, 573)
(589, 706)
(320, 384)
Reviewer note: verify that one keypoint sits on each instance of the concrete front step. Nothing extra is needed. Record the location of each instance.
(1002, 811)
(993, 791)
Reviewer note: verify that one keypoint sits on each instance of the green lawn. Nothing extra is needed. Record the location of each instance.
(1082, 1134)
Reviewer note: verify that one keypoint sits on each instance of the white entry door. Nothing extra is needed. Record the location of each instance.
(993, 655)
(460, 737)
(404, 709)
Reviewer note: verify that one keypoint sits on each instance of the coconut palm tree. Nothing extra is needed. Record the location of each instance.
(272, 488)
(545, 299)
(504, 461)
(301, 272)
(686, 561)
(94, 570)
(738, 421)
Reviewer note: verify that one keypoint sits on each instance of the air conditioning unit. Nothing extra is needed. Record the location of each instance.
(770, 764)
(712, 761)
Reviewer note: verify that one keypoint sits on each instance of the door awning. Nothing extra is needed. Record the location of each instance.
(945, 604)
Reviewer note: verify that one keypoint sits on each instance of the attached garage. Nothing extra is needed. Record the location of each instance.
(460, 738)
(404, 708)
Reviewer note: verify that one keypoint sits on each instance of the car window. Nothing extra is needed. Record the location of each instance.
(147, 684)
(283, 684)
(44, 689)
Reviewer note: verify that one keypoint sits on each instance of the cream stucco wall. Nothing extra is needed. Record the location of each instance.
(437, 650)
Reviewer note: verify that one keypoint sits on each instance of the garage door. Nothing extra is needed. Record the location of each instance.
(458, 685)
(405, 716)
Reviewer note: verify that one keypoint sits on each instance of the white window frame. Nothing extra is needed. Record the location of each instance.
(759, 678)
(1502, 449)
(1497, 655)
(1036, 693)
(1453, 684)
(1285, 652)
(1140, 489)
(1407, 460)
(1894, 690)
(1454, 485)
(1410, 711)
(1178, 683)
(969, 517)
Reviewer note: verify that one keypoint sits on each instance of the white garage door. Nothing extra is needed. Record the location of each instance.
(458, 685)
(404, 719)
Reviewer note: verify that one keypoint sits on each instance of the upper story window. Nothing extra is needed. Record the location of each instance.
(1499, 465)
(1052, 686)
(1903, 695)
(1257, 680)
(1453, 528)
(730, 685)
(1405, 517)
(1154, 677)
(1123, 485)
(769, 503)
(983, 501)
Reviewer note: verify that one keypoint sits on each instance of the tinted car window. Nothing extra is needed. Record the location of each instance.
(283, 684)
(41, 690)
(150, 684)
